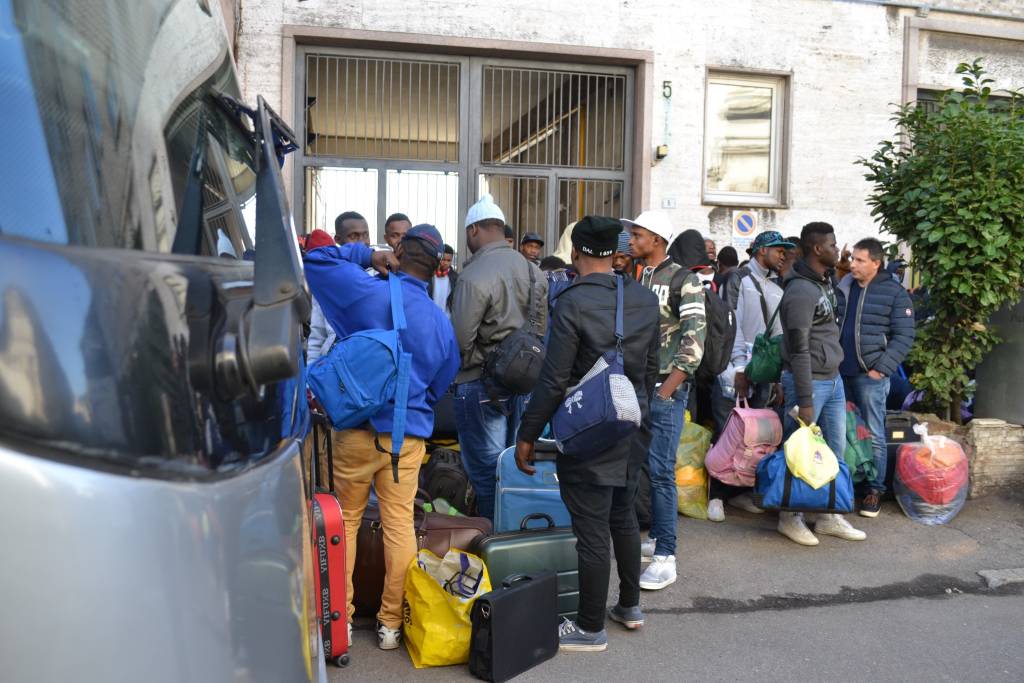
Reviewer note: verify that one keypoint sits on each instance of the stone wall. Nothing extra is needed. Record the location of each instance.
(997, 458)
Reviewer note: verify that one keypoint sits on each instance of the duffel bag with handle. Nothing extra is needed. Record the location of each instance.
(778, 489)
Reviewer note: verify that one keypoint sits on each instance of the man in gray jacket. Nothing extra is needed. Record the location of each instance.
(811, 354)
(490, 302)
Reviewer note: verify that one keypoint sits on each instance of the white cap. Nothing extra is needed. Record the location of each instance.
(483, 210)
(655, 221)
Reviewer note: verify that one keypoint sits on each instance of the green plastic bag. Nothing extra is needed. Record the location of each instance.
(860, 453)
(691, 477)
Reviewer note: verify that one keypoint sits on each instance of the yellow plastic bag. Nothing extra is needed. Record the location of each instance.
(691, 477)
(809, 457)
(439, 594)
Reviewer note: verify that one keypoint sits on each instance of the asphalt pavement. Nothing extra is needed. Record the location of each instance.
(907, 604)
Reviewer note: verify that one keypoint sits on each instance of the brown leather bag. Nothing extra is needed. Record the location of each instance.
(435, 532)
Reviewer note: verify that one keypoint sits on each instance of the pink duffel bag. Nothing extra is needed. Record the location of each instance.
(749, 435)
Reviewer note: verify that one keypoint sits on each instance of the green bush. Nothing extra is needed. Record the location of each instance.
(950, 186)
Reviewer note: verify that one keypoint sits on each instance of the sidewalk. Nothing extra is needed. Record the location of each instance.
(744, 570)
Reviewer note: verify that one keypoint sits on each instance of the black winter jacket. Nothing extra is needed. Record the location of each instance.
(582, 330)
(884, 321)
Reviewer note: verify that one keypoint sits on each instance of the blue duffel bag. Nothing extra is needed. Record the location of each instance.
(778, 489)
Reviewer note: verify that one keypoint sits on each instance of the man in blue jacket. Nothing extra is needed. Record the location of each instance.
(353, 301)
(877, 323)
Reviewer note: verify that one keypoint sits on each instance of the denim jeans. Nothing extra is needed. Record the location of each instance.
(667, 420)
(869, 395)
(485, 430)
(829, 410)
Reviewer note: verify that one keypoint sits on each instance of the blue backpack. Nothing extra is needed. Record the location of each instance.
(602, 408)
(778, 489)
(364, 373)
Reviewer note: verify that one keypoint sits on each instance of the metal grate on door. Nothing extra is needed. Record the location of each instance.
(523, 200)
(360, 107)
(578, 198)
(552, 118)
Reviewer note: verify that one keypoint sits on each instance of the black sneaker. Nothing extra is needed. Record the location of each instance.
(871, 505)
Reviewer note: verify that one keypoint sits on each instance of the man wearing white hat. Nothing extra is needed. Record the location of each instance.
(491, 300)
(683, 331)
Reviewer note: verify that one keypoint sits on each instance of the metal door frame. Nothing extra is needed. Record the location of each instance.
(469, 165)
(554, 174)
(382, 166)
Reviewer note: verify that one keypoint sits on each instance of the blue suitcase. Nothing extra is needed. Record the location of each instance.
(517, 495)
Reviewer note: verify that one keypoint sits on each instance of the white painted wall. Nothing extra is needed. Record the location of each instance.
(845, 58)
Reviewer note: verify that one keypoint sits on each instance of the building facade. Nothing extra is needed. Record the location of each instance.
(734, 116)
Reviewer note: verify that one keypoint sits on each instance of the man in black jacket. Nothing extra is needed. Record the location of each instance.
(811, 353)
(876, 320)
(599, 490)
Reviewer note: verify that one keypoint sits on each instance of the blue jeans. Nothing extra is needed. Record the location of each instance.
(869, 395)
(484, 432)
(667, 421)
(829, 410)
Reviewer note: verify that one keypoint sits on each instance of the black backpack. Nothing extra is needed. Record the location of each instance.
(444, 477)
(721, 331)
(515, 362)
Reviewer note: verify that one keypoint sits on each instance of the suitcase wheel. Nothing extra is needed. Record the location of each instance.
(341, 660)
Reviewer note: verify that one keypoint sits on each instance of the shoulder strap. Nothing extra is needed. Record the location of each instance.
(397, 304)
(402, 380)
(531, 316)
(619, 333)
(764, 304)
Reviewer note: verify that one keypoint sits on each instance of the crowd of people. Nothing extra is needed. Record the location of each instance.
(845, 322)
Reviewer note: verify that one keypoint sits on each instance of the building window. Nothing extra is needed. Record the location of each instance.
(744, 143)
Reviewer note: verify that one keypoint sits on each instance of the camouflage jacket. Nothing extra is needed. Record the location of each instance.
(683, 325)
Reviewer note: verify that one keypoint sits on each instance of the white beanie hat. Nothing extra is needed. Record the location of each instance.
(484, 209)
(655, 221)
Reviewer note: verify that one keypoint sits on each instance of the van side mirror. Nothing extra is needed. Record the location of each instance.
(269, 336)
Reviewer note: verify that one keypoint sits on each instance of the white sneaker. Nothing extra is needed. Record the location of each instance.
(661, 572)
(745, 502)
(647, 547)
(716, 510)
(836, 525)
(792, 526)
(388, 638)
(350, 634)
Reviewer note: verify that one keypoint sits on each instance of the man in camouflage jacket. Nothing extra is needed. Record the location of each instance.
(683, 330)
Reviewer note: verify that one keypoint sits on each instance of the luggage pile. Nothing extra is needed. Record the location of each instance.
(931, 479)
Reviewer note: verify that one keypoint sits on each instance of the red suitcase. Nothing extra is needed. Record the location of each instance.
(329, 555)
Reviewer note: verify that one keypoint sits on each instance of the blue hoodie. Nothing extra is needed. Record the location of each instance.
(353, 300)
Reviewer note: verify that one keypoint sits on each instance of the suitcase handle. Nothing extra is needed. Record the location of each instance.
(525, 524)
(515, 578)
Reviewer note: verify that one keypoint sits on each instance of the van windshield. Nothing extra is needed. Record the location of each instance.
(104, 108)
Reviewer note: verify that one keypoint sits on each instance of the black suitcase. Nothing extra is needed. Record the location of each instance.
(899, 429)
(515, 627)
(529, 551)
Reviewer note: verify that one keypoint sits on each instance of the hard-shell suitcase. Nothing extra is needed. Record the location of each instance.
(329, 557)
(515, 627)
(517, 495)
(899, 429)
(531, 550)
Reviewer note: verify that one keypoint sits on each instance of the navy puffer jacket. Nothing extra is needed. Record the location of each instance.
(884, 324)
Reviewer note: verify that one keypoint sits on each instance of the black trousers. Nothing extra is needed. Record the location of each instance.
(604, 517)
